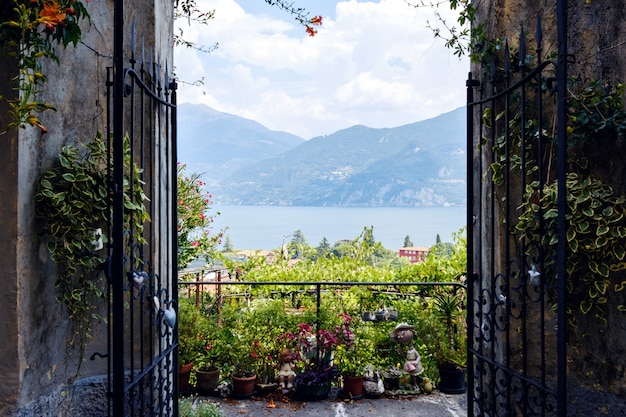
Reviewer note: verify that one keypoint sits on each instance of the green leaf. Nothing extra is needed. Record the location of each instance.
(68, 177)
(607, 212)
(583, 226)
(64, 161)
(585, 306)
(554, 240)
(601, 286)
(552, 213)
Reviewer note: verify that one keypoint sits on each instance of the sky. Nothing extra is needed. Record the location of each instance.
(373, 63)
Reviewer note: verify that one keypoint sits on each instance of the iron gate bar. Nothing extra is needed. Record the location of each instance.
(501, 383)
(141, 344)
(117, 267)
(561, 17)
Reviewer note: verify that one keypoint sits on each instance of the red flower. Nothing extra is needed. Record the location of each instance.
(317, 21)
(311, 31)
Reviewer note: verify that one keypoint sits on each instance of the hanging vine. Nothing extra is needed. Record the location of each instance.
(73, 201)
(30, 29)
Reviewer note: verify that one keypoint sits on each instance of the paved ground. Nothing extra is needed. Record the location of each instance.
(434, 405)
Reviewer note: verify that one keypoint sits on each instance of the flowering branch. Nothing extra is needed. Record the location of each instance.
(28, 33)
(195, 226)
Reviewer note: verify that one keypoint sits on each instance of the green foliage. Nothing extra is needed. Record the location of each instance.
(595, 214)
(195, 232)
(72, 199)
(596, 239)
(194, 407)
(465, 37)
(595, 112)
(29, 30)
(258, 321)
(191, 327)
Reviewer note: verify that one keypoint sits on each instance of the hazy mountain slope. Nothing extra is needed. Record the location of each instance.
(419, 164)
(218, 144)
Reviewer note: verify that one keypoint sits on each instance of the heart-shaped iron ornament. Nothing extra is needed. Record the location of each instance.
(139, 278)
(169, 315)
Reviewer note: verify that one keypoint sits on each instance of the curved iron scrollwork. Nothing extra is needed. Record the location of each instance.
(512, 365)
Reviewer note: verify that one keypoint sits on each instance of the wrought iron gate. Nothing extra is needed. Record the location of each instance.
(141, 267)
(516, 145)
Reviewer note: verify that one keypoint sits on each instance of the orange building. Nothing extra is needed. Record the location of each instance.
(415, 254)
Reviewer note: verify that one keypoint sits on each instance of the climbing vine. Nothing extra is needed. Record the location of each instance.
(596, 214)
(30, 29)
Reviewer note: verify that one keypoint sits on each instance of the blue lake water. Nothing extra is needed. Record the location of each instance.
(263, 227)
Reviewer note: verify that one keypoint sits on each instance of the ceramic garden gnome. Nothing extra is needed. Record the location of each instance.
(403, 333)
(285, 369)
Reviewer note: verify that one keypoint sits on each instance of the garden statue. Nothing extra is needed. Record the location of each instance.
(373, 382)
(285, 369)
(403, 333)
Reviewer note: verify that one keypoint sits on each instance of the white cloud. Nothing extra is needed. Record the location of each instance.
(371, 63)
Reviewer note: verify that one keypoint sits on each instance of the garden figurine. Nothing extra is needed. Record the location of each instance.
(403, 333)
(286, 371)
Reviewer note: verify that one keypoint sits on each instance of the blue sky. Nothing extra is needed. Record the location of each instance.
(374, 63)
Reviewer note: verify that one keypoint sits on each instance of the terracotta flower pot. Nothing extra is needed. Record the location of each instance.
(184, 372)
(243, 386)
(353, 386)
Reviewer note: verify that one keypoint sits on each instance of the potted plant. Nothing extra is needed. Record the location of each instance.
(391, 378)
(353, 354)
(315, 351)
(190, 340)
(246, 361)
(216, 353)
(448, 341)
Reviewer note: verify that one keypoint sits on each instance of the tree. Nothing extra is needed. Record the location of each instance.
(323, 249)
(407, 242)
(228, 244)
(298, 245)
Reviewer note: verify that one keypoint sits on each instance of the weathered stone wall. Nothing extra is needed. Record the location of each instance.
(597, 48)
(38, 368)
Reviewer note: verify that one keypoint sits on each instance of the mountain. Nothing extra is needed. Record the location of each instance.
(418, 164)
(218, 144)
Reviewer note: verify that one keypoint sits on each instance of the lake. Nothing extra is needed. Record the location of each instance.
(265, 227)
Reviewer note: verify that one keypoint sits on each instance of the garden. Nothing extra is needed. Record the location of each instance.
(301, 328)
(358, 320)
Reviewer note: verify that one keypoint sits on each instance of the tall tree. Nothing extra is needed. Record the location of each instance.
(228, 244)
(407, 242)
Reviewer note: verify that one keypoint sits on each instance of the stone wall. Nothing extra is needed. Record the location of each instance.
(597, 48)
(38, 367)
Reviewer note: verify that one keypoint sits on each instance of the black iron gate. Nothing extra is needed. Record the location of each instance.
(516, 150)
(141, 267)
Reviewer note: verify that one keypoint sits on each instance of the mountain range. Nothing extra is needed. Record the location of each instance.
(418, 164)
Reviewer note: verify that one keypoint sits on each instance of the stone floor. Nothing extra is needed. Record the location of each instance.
(436, 404)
